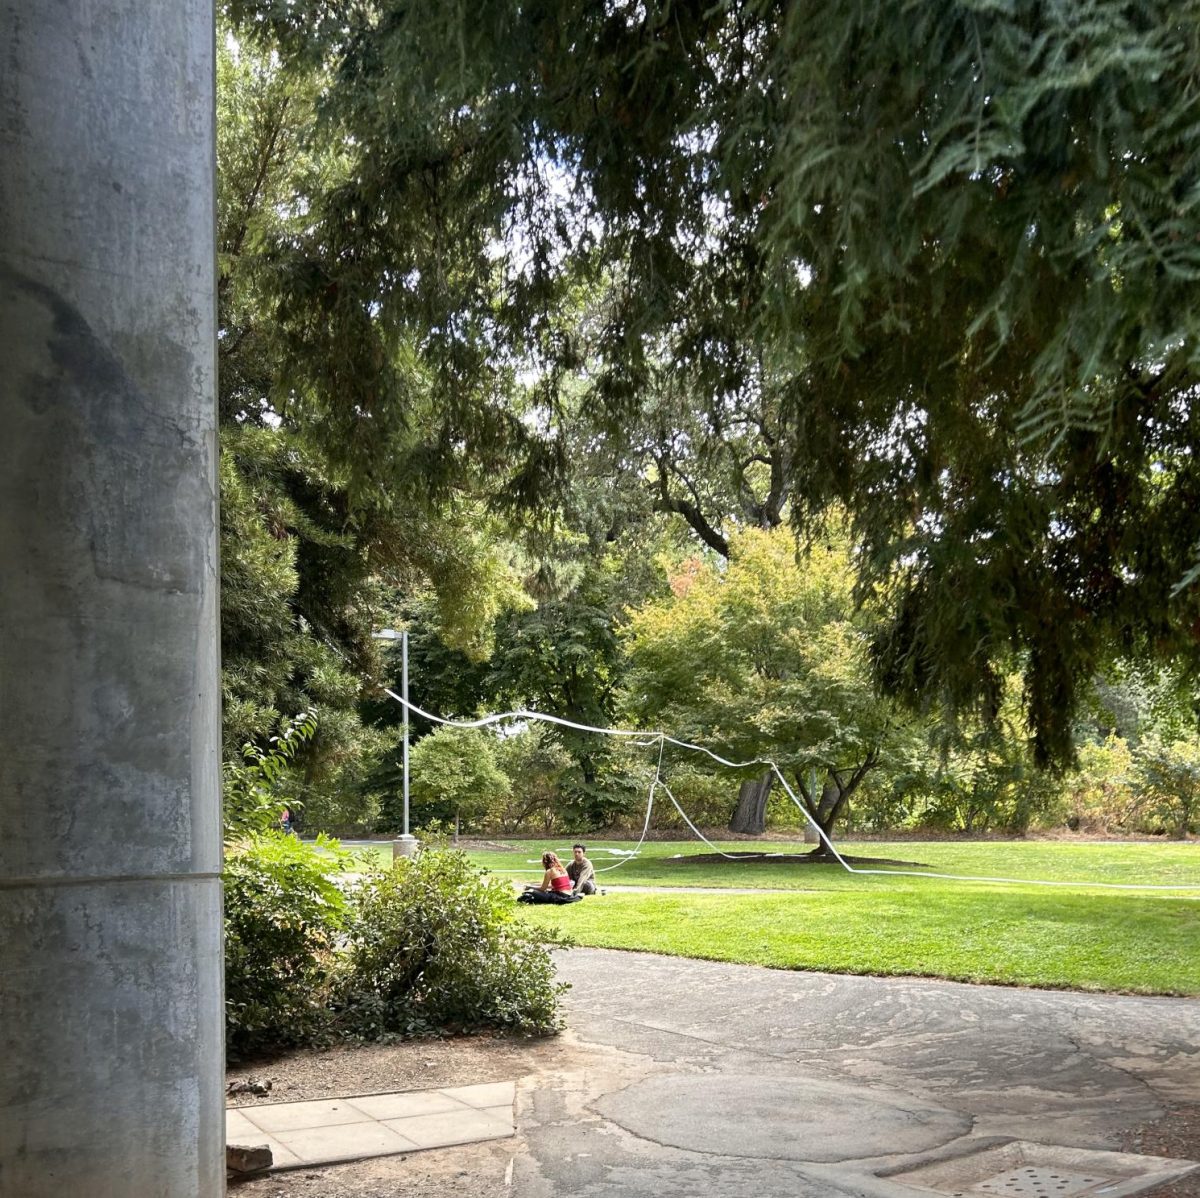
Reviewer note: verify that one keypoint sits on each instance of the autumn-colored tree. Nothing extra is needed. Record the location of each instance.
(766, 656)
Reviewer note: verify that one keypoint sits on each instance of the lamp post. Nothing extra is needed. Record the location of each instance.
(404, 845)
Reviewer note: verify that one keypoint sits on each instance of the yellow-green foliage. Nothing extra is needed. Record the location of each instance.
(1168, 785)
(766, 655)
(1097, 797)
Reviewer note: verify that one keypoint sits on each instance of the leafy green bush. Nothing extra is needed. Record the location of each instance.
(283, 911)
(434, 946)
(255, 792)
(1098, 795)
(708, 797)
(1167, 785)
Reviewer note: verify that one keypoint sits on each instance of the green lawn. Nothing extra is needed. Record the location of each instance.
(670, 863)
(1077, 937)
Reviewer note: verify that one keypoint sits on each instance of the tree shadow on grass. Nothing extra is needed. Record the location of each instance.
(820, 856)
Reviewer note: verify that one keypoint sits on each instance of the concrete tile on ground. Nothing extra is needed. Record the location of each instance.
(282, 1157)
(502, 1114)
(487, 1094)
(403, 1105)
(359, 1126)
(452, 1127)
(292, 1116)
(346, 1141)
(239, 1129)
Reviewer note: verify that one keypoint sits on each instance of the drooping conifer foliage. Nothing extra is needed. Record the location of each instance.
(955, 244)
(313, 550)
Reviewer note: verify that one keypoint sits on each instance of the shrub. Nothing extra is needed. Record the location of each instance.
(708, 798)
(255, 791)
(283, 910)
(1097, 796)
(435, 946)
(1167, 785)
(536, 764)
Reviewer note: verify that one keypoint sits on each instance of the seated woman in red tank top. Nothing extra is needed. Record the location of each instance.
(555, 886)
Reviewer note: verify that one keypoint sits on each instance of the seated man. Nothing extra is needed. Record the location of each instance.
(580, 871)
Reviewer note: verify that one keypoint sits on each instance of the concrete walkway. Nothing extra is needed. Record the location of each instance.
(730, 1080)
(365, 1125)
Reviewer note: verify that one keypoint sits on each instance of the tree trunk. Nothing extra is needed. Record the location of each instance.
(831, 804)
(587, 767)
(750, 816)
(835, 793)
(456, 827)
(827, 808)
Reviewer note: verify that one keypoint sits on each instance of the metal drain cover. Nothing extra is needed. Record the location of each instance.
(1042, 1181)
(1026, 1170)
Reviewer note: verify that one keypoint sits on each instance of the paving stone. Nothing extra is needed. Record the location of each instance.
(239, 1129)
(290, 1116)
(346, 1141)
(502, 1114)
(349, 1128)
(401, 1106)
(282, 1157)
(451, 1127)
(486, 1094)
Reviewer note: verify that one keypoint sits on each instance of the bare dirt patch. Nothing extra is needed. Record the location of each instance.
(1176, 1134)
(408, 1065)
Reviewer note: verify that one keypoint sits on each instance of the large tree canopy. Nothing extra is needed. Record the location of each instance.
(766, 658)
(310, 560)
(956, 241)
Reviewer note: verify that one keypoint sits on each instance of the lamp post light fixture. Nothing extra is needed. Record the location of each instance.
(404, 845)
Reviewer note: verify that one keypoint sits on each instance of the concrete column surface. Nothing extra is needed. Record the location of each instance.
(110, 904)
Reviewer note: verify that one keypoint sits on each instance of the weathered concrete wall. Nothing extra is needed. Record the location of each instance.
(110, 968)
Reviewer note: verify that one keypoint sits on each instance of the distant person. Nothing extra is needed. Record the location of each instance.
(287, 822)
(555, 886)
(581, 871)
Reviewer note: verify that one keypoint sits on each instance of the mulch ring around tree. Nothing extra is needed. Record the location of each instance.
(784, 859)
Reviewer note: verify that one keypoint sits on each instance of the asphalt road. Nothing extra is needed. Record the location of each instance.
(685, 1078)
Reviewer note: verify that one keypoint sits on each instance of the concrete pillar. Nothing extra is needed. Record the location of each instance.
(110, 905)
